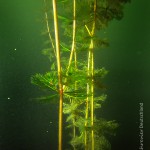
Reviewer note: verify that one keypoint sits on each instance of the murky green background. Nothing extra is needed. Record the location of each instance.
(29, 125)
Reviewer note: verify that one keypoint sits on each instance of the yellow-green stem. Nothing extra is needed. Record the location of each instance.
(59, 74)
(92, 74)
(48, 30)
(92, 94)
(88, 98)
(73, 35)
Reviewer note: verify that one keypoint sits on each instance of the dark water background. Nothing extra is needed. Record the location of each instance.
(29, 125)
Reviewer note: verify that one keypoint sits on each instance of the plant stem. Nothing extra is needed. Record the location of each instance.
(92, 74)
(92, 94)
(87, 99)
(75, 58)
(90, 85)
(48, 30)
(73, 35)
(59, 75)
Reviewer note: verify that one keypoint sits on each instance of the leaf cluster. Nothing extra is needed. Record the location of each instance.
(105, 127)
(47, 81)
(99, 100)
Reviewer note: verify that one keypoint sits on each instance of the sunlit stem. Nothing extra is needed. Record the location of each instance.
(90, 90)
(73, 35)
(59, 74)
(88, 98)
(92, 74)
(88, 30)
(75, 60)
(92, 95)
(48, 30)
(74, 119)
(73, 50)
(74, 131)
(86, 117)
(90, 86)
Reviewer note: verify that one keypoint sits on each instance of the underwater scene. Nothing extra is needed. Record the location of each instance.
(74, 75)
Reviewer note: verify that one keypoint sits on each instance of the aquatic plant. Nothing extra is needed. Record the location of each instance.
(72, 40)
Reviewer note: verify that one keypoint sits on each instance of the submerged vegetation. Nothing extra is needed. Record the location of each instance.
(72, 29)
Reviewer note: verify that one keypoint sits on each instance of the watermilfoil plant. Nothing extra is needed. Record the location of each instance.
(72, 28)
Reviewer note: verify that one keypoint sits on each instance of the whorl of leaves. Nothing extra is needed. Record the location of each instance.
(46, 81)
